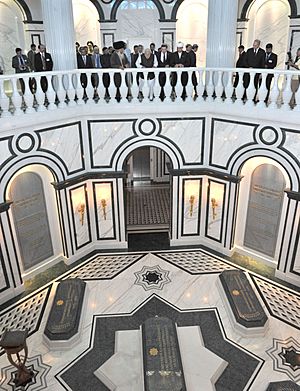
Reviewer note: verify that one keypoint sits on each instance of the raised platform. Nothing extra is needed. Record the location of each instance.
(283, 386)
(245, 310)
(62, 329)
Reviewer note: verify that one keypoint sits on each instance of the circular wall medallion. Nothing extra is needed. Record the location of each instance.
(147, 127)
(25, 142)
(268, 135)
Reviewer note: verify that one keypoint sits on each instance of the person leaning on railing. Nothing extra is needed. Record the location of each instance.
(295, 78)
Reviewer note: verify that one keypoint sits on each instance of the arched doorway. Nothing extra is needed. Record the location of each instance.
(34, 216)
(191, 26)
(261, 208)
(275, 31)
(86, 22)
(134, 29)
(147, 191)
(11, 33)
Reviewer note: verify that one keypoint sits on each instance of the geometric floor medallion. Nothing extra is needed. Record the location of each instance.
(38, 382)
(152, 277)
(286, 357)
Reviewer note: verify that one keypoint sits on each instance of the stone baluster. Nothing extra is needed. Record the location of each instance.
(219, 89)
(4, 100)
(297, 100)
(134, 88)
(90, 90)
(200, 85)
(251, 91)
(28, 95)
(274, 93)
(112, 88)
(156, 88)
(209, 76)
(286, 93)
(240, 90)
(124, 86)
(17, 96)
(179, 86)
(79, 90)
(229, 88)
(51, 93)
(40, 95)
(168, 86)
(71, 91)
(190, 88)
(262, 91)
(61, 92)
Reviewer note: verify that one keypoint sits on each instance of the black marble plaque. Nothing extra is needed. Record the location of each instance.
(283, 386)
(264, 209)
(31, 219)
(243, 301)
(64, 318)
(162, 362)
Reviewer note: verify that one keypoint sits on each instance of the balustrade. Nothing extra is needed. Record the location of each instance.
(38, 92)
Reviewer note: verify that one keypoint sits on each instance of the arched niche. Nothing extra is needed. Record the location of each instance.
(87, 21)
(191, 26)
(34, 216)
(11, 32)
(136, 27)
(275, 31)
(262, 206)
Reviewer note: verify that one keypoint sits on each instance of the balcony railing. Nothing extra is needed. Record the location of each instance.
(36, 92)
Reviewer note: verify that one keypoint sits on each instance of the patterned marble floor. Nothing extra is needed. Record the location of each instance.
(148, 206)
(132, 285)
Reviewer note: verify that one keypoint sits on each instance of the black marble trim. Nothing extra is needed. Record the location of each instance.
(248, 3)
(29, 164)
(4, 206)
(268, 142)
(7, 256)
(202, 119)
(295, 248)
(219, 240)
(234, 217)
(199, 196)
(227, 214)
(86, 215)
(14, 246)
(117, 3)
(25, 10)
(292, 195)
(293, 33)
(111, 184)
(13, 154)
(87, 176)
(118, 207)
(69, 221)
(78, 123)
(99, 10)
(31, 146)
(48, 288)
(162, 307)
(211, 143)
(61, 224)
(283, 237)
(178, 198)
(273, 314)
(207, 172)
(175, 9)
(89, 122)
(290, 241)
(4, 273)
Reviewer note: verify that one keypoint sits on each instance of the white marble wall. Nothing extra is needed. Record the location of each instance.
(191, 203)
(138, 27)
(86, 22)
(65, 143)
(11, 33)
(215, 209)
(81, 223)
(105, 216)
(269, 21)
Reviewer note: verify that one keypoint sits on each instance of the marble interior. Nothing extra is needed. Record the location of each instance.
(114, 298)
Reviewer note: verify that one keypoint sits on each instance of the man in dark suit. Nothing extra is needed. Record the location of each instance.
(270, 63)
(180, 59)
(152, 48)
(84, 61)
(20, 62)
(255, 58)
(43, 60)
(118, 60)
(105, 58)
(241, 63)
(192, 55)
(163, 61)
(31, 57)
(134, 56)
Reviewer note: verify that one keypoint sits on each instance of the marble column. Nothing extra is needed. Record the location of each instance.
(59, 33)
(221, 33)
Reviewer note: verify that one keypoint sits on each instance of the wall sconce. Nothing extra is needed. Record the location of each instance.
(81, 211)
(192, 203)
(214, 206)
(103, 207)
